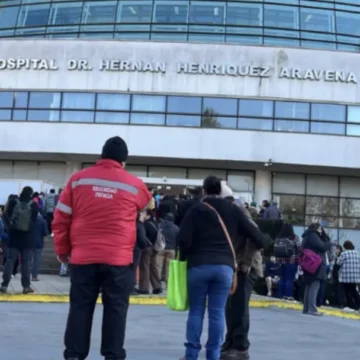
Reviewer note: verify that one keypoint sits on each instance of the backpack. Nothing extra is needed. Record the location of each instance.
(21, 216)
(160, 242)
(284, 248)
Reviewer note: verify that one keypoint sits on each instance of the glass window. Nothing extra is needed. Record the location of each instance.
(8, 16)
(77, 116)
(325, 221)
(78, 101)
(291, 126)
(347, 23)
(317, 20)
(137, 170)
(21, 99)
(244, 14)
(292, 110)
(219, 106)
(111, 117)
(151, 103)
(113, 102)
(202, 12)
(5, 115)
(328, 112)
(44, 100)
(353, 130)
(168, 172)
(324, 206)
(134, 12)
(147, 119)
(288, 183)
(184, 105)
(43, 115)
(66, 13)
(322, 185)
(99, 12)
(171, 12)
(255, 124)
(292, 208)
(240, 181)
(6, 99)
(34, 15)
(327, 128)
(19, 115)
(350, 208)
(281, 16)
(213, 121)
(183, 120)
(349, 187)
(353, 114)
(256, 108)
(203, 173)
(354, 235)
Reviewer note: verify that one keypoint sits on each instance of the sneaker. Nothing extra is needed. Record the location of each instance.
(314, 313)
(235, 355)
(3, 290)
(12, 276)
(35, 279)
(157, 291)
(28, 290)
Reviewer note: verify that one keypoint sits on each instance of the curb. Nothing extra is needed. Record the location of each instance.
(160, 300)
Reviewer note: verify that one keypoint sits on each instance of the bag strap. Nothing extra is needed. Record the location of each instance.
(226, 232)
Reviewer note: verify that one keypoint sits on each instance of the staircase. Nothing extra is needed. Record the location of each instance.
(49, 264)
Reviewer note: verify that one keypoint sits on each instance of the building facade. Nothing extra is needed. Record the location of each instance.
(264, 94)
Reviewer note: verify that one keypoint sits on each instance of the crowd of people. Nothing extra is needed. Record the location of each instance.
(107, 224)
(25, 221)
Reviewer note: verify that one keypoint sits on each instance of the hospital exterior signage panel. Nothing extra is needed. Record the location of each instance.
(180, 67)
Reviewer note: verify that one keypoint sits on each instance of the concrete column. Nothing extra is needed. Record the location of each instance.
(72, 167)
(262, 186)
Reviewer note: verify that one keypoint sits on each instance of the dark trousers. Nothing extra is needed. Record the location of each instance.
(321, 296)
(49, 220)
(12, 255)
(16, 265)
(136, 262)
(352, 296)
(338, 294)
(285, 287)
(238, 314)
(116, 283)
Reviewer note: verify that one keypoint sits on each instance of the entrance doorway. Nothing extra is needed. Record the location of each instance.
(172, 186)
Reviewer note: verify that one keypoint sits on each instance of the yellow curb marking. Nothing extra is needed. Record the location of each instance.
(157, 300)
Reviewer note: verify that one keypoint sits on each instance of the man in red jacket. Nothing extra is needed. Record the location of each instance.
(95, 229)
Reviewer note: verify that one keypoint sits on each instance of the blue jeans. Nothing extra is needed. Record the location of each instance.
(211, 283)
(287, 278)
(37, 255)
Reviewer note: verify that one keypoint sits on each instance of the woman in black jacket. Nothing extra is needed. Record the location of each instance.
(20, 242)
(312, 240)
(205, 246)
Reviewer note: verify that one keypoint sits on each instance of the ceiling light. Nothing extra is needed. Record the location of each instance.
(216, 11)
(176, 10)
(133, 11)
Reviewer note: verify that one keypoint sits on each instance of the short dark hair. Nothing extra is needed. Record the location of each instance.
(314, 226)
(212, 185)
(348, 245)
(287, 232)
(52, 191)
(196, 191)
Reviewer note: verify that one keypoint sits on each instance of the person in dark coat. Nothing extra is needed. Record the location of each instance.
(20, 243)
(185, 205)
(312, 240)
(41, 230)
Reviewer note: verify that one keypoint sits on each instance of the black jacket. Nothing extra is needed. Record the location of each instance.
(184, 206)
(151, 228)
(142, 241)
(170, 232)
(313, 241)
(202, 240)
(19, 239)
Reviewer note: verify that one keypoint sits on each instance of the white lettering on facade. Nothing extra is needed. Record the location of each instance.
(318, 75)
(188, 68)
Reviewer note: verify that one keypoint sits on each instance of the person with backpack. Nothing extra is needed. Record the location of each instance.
(314, 266)
(149, 274)
(287, 248)
(22, 215)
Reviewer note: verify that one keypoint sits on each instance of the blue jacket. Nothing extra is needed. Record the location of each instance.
(41, 230)
(3, 234)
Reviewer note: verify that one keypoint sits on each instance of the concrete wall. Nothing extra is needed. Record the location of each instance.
(214, 144)
(267, 63)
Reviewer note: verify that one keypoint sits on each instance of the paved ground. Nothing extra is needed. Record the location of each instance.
(35, 331)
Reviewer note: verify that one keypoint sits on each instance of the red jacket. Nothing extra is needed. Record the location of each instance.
(95, 218)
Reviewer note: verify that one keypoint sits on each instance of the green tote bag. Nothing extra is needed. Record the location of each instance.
(177, 294)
